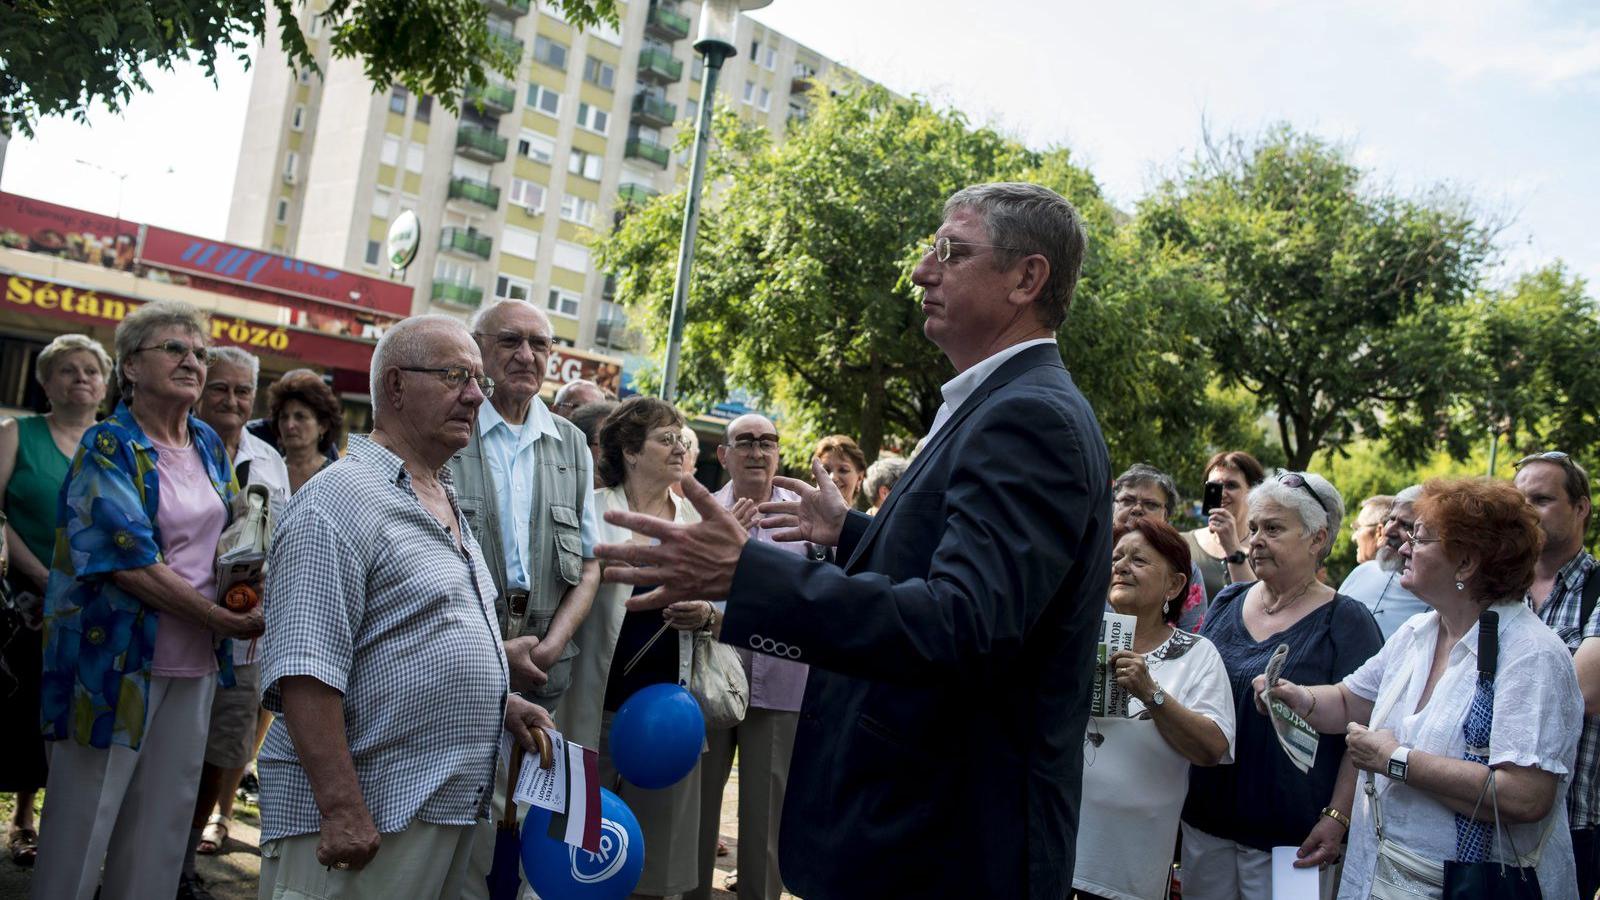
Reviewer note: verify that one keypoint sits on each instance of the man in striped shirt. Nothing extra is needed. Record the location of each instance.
(383, 651)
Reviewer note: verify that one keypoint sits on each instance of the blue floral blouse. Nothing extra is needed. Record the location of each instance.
(98, 638)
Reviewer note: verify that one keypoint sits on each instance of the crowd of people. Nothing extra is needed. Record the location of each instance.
(438, 582)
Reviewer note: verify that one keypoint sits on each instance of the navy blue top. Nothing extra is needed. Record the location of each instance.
(1261, 800)
(659, 664)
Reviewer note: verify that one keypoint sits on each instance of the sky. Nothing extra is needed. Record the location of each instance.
(1495, 101)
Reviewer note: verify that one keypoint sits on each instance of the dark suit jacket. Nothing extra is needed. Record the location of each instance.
(940, 746)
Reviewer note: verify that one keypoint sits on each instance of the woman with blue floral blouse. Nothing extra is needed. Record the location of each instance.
(131, 656)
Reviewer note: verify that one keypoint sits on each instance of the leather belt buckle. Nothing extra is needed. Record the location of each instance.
(517, 601)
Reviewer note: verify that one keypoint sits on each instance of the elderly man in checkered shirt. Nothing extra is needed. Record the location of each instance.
(1558, 488)
(383, 650)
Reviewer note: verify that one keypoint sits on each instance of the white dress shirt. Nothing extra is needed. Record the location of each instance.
(958, 389)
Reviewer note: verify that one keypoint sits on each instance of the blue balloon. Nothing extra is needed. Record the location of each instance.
(657, 735)
(559, 871)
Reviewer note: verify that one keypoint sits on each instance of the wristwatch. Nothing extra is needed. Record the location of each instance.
(1236, 558)
(1159, 698)
(1397, 763)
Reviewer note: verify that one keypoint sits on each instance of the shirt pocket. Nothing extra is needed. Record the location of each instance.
(567, 535)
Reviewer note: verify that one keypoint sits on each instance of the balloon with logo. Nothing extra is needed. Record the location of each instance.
(657, 735)
(559, 871)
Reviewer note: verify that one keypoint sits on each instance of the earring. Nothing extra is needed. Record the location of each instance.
(1460, 586)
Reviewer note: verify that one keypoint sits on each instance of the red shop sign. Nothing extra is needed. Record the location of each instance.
(75, 234)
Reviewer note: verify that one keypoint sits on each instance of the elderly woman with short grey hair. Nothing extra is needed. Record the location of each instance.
(1235, 814)
(131, 614)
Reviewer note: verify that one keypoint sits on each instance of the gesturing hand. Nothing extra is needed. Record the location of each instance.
(692, 561)
(818, 516)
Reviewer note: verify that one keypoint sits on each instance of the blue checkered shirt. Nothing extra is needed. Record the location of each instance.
(368, 593)
(1561, 611)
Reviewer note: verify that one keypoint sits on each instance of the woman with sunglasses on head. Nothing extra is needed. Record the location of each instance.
(131, 613)
(1235, 814)
(1473, 549)
(642, 450)
(1180, 712)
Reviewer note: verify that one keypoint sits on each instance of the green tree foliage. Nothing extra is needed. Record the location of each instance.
(802, 286)
(59, 57)
(1336, 296)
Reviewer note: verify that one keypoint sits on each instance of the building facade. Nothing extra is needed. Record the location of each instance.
(511, 190)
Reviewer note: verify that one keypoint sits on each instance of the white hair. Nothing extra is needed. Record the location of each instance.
(564, 394)
(405, 344)
(1410, 495)
(233, 356)
(139, 326)
(1326, 511)
(65, 344)
(485, 313)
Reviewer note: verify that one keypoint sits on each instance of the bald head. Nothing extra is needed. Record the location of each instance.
(750, 454)
(490, 318)
(750, 423)
(578, 393)
(416, 341)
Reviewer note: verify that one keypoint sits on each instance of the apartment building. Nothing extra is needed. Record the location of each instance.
(511, 190)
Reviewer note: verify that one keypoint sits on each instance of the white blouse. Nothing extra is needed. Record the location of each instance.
(1538, 716)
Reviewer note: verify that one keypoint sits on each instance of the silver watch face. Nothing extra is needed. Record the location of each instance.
(1158, 698)
(1397, 770)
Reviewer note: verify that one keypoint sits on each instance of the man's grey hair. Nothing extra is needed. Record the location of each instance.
(565, 392)
(233, 356)
(406, 344)
(486, 313)
(590, 416)
(136, 330)
(1410, 495)
(883, 474)
(1326, 511)
(69, 343)
(1143, 473)
(1025, 219)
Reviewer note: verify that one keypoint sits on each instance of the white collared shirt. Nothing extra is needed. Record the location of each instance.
(958, 389)
(508, 450)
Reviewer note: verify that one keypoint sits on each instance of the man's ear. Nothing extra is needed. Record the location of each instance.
(1032, 273)
(392, 386)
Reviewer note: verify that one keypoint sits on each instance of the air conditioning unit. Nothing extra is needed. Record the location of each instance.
(532, 210)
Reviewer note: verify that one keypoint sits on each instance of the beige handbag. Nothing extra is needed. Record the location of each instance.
(718, 682)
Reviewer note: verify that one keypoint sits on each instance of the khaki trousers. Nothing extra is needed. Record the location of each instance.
(765, 741)
(424, 861)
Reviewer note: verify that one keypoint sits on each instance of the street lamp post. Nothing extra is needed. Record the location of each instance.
(718, 21)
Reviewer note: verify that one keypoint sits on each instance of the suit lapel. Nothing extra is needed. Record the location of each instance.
(1008, 372)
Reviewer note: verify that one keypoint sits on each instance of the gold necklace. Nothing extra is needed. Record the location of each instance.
(1274, 610)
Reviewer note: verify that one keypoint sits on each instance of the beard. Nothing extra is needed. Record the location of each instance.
(1389, 558)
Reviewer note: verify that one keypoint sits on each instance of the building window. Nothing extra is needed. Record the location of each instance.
(749, 92)
(766, 99)
(381, 204)
(571, 256)
(771, 61)
(397, 100)
(602, 74)
(448, 269)
(521, 243)
(298, 120)
(314, 25)
(577, 209)
(565, 303)
(550, 53)
(536, 147)
(425, 108)
(508, 288)
(414, 152)
(528, 195)
(589, 165)
(283, 210)
(544, 100)
(291, 166)
(697, 69)
(593, 118)
(373, 250)
(755, 52)
(389, 155)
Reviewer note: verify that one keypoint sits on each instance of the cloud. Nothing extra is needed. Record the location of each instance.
(1479, 39)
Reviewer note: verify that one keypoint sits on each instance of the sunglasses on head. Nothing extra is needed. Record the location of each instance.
(1297, 480)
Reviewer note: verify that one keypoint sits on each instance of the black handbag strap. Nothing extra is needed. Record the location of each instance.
(1591, 592)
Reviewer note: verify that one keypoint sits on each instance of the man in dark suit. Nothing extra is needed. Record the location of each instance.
(940, 746)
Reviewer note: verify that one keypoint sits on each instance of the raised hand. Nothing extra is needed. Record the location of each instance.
(818, 516)
(691, 561)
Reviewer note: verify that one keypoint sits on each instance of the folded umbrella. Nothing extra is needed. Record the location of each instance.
(503, 879)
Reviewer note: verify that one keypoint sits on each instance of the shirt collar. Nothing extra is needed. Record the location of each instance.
(1572, 574)
(540, 421)
(958, 389)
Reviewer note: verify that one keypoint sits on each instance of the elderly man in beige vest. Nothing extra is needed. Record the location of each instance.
(525, 484)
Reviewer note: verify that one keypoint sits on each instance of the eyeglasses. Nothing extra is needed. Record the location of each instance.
(1413, 540)
(511, 341)
(177, 350)
(748, 445)
(940, 248)
(1149, 507)
(672, 441)
(456, 376)
(1297, 480)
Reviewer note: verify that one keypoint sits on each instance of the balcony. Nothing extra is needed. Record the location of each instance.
(636, 194)
(495, 99)
(480, 192)
(506, 41)
(643, 148)
(659, 67)
(458, 294)
(666, 23)
(513, 8)
(653, 111)
(481, 144)
(465, 242)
